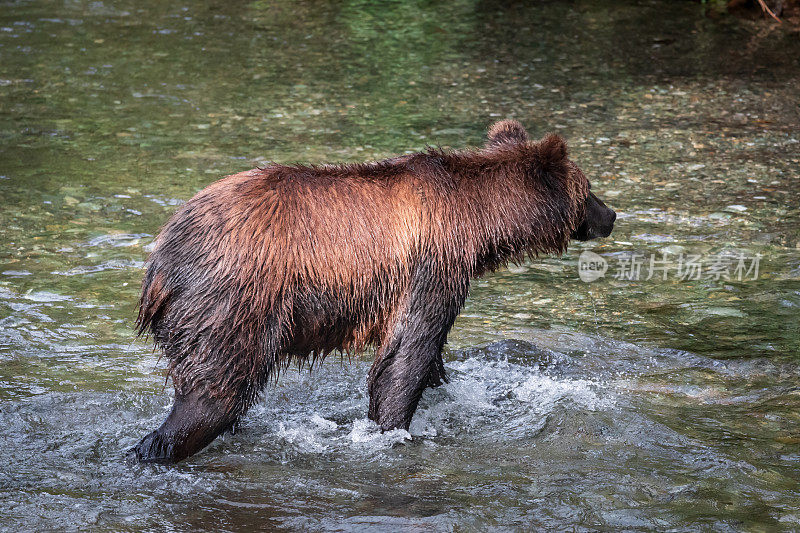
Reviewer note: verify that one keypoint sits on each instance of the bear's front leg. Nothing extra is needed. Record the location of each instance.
(191, 425)
(397, 379)
(411, 358)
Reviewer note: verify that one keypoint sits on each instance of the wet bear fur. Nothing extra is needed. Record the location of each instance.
(285, 264)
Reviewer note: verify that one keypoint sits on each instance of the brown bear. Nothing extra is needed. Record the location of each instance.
(286, 264)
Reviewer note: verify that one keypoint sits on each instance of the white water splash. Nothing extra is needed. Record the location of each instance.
(485, 398)
(367, 433)
(503, 398)
(310, 435)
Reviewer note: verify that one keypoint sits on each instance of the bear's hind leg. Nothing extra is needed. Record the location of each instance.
(191, 425)
(212, 393)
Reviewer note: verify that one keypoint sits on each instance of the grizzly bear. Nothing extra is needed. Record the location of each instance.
(286, 264)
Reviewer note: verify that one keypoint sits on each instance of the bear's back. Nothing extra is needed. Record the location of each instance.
(289, 226)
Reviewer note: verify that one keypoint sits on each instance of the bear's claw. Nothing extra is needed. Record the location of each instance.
(153, 448)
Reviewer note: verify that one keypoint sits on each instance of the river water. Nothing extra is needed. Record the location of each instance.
(625, 403)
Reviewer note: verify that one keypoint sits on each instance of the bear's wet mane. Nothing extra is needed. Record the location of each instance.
(498, 203)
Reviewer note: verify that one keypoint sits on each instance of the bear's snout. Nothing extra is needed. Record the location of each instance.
(598, 221)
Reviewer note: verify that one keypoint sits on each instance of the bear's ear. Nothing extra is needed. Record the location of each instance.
(552, 150)
(550, 161)
(506, 131)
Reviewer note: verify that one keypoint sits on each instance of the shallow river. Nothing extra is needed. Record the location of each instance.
(664, 395)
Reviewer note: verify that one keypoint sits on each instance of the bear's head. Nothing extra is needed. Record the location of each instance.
(551, 161)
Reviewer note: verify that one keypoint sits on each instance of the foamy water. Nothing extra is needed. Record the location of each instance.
(485, 399)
